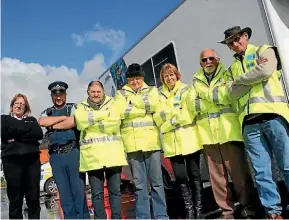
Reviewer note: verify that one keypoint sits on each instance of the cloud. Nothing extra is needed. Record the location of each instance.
(115, 40)
(32, 79)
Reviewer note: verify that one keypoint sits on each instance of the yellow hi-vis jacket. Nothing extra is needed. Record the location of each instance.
(217, 120)
(177, 124)
(100, 141)
(138, 129)
(264, 97)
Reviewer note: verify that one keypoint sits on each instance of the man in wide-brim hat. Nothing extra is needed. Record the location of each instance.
(263, 111)
(236, 30)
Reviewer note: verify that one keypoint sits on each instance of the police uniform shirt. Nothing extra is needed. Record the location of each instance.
(43, 114)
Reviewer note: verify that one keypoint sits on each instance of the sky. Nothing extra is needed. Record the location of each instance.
(73, 41)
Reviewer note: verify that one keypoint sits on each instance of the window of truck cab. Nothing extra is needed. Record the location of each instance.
(154, 64)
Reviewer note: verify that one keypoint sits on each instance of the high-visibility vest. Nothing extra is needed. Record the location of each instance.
(177, 124)
(100, 141)
(138, 129)
(217, 119)
(264, 97)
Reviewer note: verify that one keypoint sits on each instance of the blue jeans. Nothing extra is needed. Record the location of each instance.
(70, 185)
(96, 180)
(143, 165)
(261, 140)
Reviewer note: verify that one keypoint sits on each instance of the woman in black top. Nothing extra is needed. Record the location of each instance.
(20, 156)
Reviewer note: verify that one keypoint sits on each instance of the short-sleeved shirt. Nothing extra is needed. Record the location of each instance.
(43, 114)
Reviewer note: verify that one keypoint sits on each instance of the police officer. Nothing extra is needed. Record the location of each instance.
(64, 153)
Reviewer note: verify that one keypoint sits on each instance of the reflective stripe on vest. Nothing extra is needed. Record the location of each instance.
(215, 114)
(146, 100)
(101, 126)
(90, 118)
(138, 124)
(163, 116)
(100, 140)
(268, 98)
(127, 111)
(122, 91)
(216, 94)
(178, 127)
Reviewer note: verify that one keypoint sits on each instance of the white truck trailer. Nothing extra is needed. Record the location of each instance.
(197, 24)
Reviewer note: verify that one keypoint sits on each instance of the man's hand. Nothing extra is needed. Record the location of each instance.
(262, 60)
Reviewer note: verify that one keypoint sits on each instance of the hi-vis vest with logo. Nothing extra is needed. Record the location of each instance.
(100, 141)
(138, 129)
(217, 120)
(264, 97)
(177, 124)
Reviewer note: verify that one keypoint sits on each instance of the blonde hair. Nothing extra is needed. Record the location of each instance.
(27, 106)
(168, 67)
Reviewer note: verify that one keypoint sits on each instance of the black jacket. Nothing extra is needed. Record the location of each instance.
(25, 134)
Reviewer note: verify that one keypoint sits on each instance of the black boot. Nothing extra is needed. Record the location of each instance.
(187, 197)
(197, 198)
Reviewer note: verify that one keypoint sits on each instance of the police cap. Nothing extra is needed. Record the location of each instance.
(58, 87)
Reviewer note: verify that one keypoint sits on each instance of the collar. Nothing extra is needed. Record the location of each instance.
(239, 56)
(15, 116)
(127, 88)
(166, 91)
(59, 108)
(201, 75)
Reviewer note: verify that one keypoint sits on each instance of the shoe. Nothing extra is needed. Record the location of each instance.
(187, 197)
(248, 213)
(226, 217)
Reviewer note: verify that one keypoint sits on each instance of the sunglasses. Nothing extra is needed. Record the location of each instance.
(204, 59)
(237, 39)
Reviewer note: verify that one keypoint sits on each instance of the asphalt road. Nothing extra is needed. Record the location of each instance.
(50, 205)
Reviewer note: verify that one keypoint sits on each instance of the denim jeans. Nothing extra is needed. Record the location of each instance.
(261, 140)
(143, 165)
(96, 180)
(65, 169)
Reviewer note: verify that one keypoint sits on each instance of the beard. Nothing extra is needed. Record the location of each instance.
(210, 69)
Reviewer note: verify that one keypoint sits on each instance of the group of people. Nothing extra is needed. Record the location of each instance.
(224, 113)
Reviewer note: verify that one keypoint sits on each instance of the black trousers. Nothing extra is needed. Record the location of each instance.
(22, 174)
(187, 167)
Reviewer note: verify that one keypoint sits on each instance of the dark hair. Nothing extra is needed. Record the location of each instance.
(95, 82)
(27, 106)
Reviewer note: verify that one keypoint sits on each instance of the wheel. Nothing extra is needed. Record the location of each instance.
(50, 186)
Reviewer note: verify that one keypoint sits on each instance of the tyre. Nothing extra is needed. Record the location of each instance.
(50, 186)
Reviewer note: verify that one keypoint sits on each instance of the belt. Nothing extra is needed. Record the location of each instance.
(259, 118)
(61, 149)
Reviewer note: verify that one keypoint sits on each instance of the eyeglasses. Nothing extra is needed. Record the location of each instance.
(204, 59)
(237, 39)
(19, 103)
